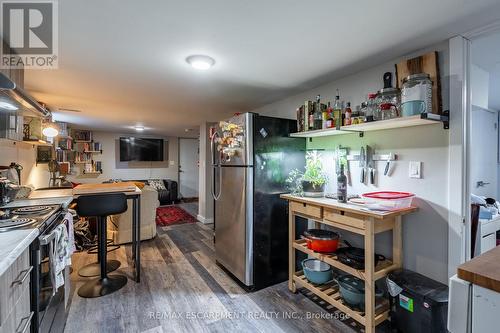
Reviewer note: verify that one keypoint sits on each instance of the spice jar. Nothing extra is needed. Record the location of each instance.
(416, 95)
(391, 99)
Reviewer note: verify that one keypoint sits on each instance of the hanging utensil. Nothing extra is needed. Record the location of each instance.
(362, 165)
(387, 166)
(371, 166)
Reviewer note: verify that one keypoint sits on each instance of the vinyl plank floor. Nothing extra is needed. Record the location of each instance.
(182, 289)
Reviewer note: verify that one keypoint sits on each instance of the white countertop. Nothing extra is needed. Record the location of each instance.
(12, 244)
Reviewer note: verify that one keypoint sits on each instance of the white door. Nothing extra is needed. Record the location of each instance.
(484, 152)
(188, 167)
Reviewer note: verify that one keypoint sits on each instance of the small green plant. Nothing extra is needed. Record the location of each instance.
(313, 174)
(294, 182)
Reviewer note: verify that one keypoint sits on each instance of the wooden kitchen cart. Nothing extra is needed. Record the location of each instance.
(355, 219)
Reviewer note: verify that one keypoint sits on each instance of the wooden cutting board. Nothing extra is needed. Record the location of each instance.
(104, 188)
(427, 63)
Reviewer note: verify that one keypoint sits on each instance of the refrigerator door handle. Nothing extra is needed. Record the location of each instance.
(212, 150)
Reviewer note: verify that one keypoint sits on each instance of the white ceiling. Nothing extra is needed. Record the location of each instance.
(122, 63)
(485, 53)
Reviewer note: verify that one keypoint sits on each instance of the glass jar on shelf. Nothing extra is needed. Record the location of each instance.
(390, 99)
(416, 95)
(371, 108)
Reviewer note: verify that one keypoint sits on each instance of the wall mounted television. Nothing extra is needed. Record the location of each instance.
(141, 149)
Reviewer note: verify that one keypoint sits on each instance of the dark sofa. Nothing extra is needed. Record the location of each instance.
(170, 194)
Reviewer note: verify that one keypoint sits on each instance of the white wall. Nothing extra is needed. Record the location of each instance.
(425, 233)
(24, 154)
(480, 83)
(113, 168)
(205, 202)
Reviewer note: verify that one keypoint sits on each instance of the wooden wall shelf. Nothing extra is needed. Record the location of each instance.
(419, 120)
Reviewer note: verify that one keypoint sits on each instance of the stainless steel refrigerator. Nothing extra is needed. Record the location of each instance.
(251, 158)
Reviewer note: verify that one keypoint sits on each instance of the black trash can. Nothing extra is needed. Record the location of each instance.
(418, 304)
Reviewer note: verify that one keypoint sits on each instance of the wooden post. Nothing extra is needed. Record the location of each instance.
(397, 242)
(369, 273)
(291, 249)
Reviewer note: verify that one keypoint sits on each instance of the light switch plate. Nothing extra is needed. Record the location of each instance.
(415, 170)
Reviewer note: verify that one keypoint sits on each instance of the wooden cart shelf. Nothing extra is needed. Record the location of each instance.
(329, 292)
(358, 220)
(381, 269)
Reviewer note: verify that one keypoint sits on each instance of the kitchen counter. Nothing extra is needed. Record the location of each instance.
(12, 244)
(483, 270)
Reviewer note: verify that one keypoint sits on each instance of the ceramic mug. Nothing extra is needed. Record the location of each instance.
(412, 108)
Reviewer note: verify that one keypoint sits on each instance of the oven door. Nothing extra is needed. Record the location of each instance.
(47, 305)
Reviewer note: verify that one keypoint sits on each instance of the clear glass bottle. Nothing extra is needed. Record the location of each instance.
(337, 111)
(371, 108)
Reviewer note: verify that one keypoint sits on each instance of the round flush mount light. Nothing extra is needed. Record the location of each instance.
(201, 62)
(139, 128)
(50, 130)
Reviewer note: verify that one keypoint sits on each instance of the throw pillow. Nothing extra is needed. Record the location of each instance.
(157, 184)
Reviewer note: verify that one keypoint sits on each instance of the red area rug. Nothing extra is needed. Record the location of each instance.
(170, 215)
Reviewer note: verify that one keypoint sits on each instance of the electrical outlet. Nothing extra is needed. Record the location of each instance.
(415, 170)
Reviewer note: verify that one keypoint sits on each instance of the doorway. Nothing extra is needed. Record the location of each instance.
(188, 168)
(484, 155)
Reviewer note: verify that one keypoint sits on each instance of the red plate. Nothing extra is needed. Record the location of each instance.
(388, 195)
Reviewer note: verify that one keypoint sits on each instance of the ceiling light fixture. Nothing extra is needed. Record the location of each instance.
(50, 130)
(139, 128)
(201, 62)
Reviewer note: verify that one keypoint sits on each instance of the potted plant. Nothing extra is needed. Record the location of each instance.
(310, 183)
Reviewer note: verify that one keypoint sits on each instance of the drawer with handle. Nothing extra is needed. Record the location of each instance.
(19, 320)
(13, 282)
(307, 209)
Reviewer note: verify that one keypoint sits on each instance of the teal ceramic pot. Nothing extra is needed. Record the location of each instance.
(352, 290)
(412, 108)
(317, 271)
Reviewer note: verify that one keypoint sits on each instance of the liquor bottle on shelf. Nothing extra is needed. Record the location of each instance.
(348, 115)
(330, 122)
(318, 115)
(324, 116)
(337, 111)
(308, 115)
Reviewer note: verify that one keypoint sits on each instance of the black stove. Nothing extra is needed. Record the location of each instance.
(27, 217)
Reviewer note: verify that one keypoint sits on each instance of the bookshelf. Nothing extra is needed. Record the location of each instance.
(75, 152)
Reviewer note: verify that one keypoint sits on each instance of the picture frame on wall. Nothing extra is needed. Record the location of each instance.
(43, 154)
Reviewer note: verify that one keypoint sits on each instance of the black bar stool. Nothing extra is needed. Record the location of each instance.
(101, 206)
(94, 269)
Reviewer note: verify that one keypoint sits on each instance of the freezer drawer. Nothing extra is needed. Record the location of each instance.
(234, 223)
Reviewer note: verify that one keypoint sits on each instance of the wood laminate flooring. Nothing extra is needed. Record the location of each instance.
(182, 289)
